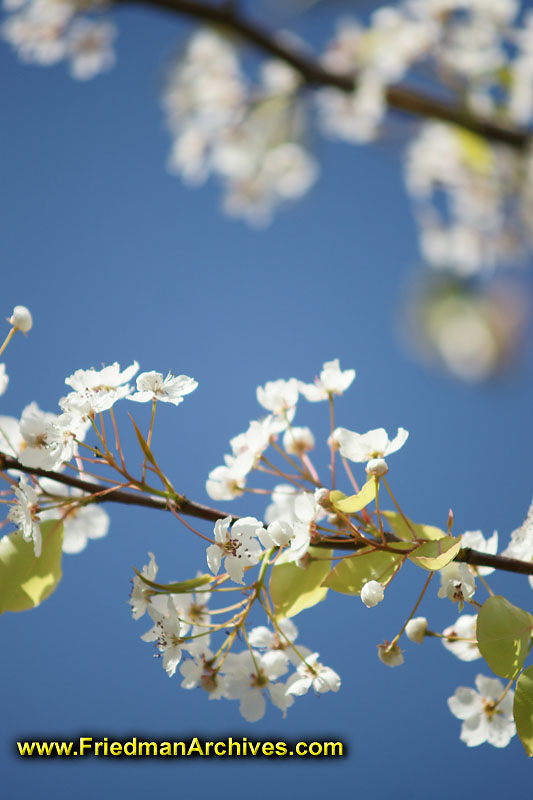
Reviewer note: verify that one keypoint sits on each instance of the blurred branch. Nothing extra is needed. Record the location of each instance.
(399, 97)
(107, 494)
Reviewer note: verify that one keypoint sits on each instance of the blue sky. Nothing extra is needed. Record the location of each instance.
(118, 261)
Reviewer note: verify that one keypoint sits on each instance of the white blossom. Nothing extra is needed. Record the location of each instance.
(152, 386)
(367, 446)
(4, 378)
(332, 380)
(279, 397)
(97, 390)
(461, 638)
(11, 439)
(476, 541)
(484, 720)
(311, 674)
(167, 633)
(89, 47)
(307, 512)
(282, 505)
(141, 593)
(49, 439)
(521, 544)
(228, 480)
(199, 671)
(81, 521)
(457, 583)
(238, 546)
(263, 638)
(256, 439)
(23, 514)
(249, 677)
(298, 441)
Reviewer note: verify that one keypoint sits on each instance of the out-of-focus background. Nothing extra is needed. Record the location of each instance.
(118, 261)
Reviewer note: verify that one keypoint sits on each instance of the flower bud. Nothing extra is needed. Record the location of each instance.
(21, 319)
(377, 467)
(280, 532)
(391, 656)
(372, 593)
(322, 497)
(416, 628)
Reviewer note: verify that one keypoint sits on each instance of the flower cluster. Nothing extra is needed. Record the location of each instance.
(250, 139)
(49, 441)
(183, 630)
(45, 32)
(280, 564)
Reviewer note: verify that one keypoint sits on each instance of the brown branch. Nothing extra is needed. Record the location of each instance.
(399, 97)
(106, 494)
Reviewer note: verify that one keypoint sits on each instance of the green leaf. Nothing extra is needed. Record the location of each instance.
(350, 574)
(403, 531)
(335, 496)
(435, 555)
(293, 588)
(350, 505)
(143, 444)
(476, 153)
(25, 581)
(176, 588)
(523, 709)
(503, 636)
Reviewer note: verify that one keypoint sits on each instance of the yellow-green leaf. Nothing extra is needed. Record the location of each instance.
(351, 574)
(25, 581)
(335, 496)
(523, 709)
(176, 588)
(476, 153)
(355, 503)
(435, 555)
(293, 588)
(411, 531)
(504, 636)
(143, 443)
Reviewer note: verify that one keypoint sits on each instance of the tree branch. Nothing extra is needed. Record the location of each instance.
(106, 494)
(399, 97)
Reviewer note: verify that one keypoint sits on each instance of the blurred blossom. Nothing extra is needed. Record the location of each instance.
(473, 330)
(249, 137)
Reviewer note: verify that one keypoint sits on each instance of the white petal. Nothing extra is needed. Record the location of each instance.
(474, 730)
(465, 703)
(214, 557)
(253, 705)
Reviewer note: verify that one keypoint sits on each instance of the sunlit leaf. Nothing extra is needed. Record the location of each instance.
(504, 636)
(176, 588)
(293, 588)
(25, 581)
(356, 502)
(435, 555)
(476, 152)
(411, 531)
(143, 443)
(350, 574)
(523, 709)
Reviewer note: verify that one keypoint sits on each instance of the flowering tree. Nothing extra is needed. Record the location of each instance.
(284, 565)
(469, 170)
